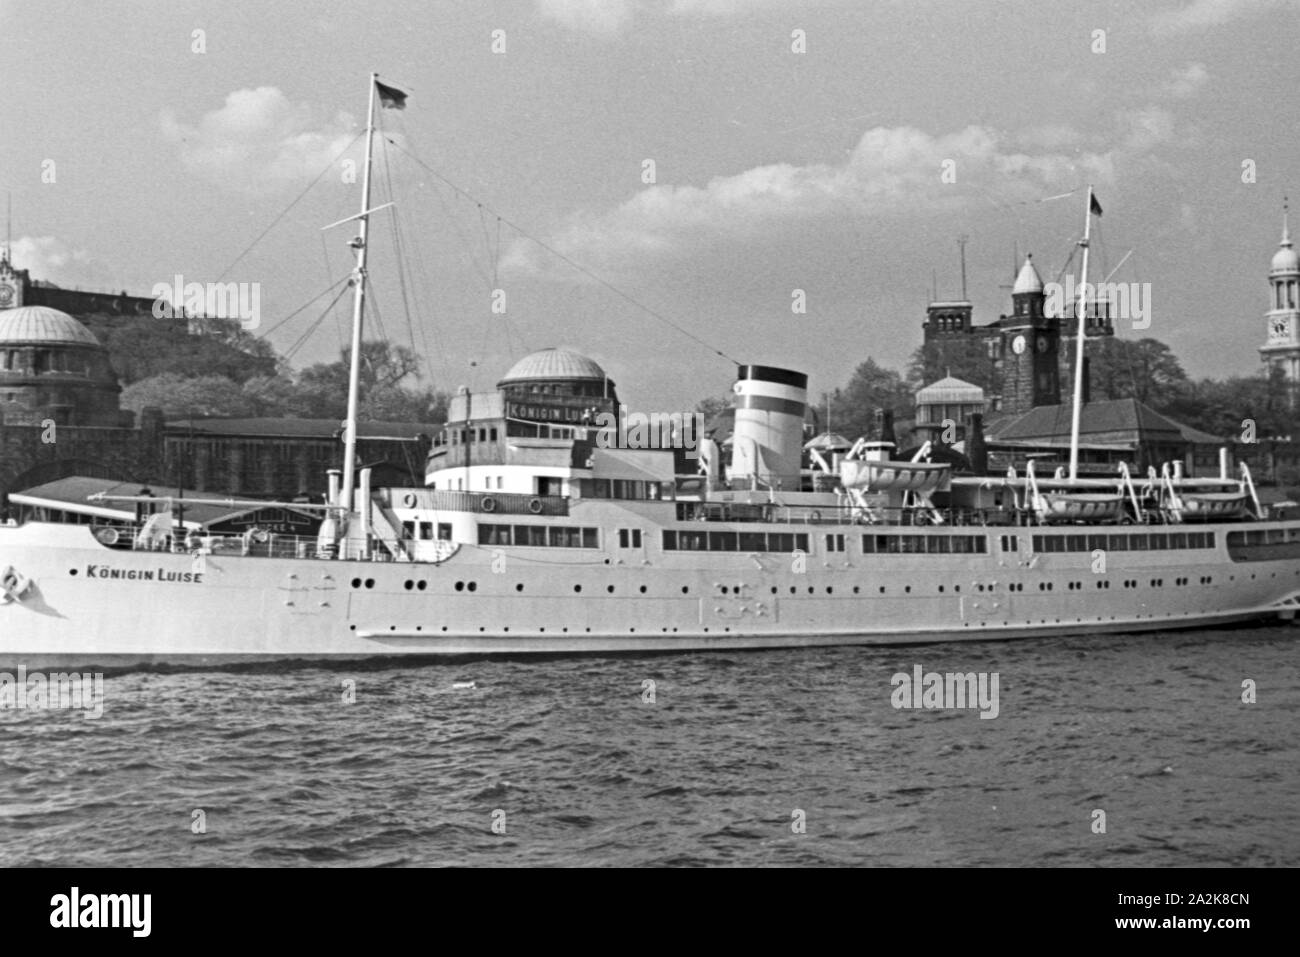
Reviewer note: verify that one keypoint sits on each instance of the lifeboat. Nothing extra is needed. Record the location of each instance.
(891, 476)
(1089, 507)
(1212, 506)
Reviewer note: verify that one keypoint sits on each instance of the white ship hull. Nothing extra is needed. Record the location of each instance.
(90, 605)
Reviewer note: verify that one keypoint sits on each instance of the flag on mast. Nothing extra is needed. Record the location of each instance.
(390, 97)
(1096, 206)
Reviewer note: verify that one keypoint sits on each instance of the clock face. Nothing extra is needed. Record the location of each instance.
(1280, 328)
(1018, 345)
(6, 294)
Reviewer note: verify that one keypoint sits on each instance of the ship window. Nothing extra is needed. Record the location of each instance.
(722, 542)
(494, 535)
(1118, 543)
(1137, 543)
(492, 434)
(693, 541)
(530, 534)
(444, 531)
(753, 542)
(408, 530)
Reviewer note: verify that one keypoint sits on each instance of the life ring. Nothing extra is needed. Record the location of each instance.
(489, 503)
(107, 536)
(260, 535)
(409, 500)
(535, 506)
(815, 517)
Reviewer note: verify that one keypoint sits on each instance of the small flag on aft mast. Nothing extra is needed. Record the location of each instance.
(390, 97)
(1096, 206)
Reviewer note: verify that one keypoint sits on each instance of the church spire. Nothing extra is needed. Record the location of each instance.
(1286, 225)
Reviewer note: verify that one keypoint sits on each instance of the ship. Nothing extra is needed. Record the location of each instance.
(551, 522)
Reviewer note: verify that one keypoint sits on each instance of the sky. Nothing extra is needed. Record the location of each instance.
(652, 182)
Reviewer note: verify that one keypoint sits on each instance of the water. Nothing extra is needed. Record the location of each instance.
(580, 770)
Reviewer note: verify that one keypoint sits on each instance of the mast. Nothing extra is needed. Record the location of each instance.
(358, 305)
(1078, 350)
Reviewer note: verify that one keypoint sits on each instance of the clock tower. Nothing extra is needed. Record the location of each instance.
(1282, 349)
(1030, 346)
(11, 282)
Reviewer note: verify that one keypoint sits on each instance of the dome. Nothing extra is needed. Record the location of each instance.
(553, 364)
(950, 391)
(40, 325)
(1028, 280)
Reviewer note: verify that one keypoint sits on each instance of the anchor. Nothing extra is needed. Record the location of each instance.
(13, 585)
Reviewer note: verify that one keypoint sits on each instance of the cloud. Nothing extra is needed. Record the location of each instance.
(1200, 14)
(891, 173)
(259, 140)
(1186, 81)
(611, 16)
(50, 259)
(591, 16)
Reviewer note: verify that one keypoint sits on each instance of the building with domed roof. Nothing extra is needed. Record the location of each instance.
(53, 368)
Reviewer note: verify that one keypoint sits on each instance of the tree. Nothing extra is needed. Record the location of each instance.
(966, 358)
(141, 347)
(1142, 369)
(182, 396)
(713, 406)
(384, 394)
(870, 389)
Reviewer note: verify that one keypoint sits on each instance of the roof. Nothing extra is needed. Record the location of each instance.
(949, 390)
(1028, 280)
(70, 494)
(41, 324)
(1106, 417)
(553, 364)
(828, 440)
(300, 428)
